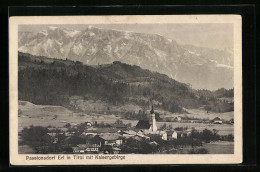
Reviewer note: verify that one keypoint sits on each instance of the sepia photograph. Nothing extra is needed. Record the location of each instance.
(125, 90)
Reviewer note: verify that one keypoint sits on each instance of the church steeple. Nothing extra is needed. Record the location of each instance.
(152, 111)
(154, 127)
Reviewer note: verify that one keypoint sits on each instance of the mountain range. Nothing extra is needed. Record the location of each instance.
(202, 68)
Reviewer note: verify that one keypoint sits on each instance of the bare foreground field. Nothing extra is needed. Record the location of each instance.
(220, 147)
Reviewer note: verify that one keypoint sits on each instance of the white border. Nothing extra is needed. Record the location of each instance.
(236, 20)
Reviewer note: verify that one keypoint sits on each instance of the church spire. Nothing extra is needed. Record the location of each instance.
(154, 127)
(152, 111)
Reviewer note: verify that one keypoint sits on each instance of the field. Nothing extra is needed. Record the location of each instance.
(200, 114)
(58, 116)
(219, 147)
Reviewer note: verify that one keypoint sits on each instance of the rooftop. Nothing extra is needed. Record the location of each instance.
(143, 124)
(110, 136)
(101, 130)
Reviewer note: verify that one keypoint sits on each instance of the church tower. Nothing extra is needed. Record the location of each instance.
(154, 126)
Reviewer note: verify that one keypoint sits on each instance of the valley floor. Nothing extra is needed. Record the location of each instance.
(56, 116)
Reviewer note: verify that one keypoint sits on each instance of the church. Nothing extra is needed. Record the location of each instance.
(148, 125)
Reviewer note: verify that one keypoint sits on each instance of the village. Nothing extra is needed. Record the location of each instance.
(144, 137)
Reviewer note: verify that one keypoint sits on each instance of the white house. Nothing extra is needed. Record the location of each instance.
(217, 122)
(178, 118)
(169, 135)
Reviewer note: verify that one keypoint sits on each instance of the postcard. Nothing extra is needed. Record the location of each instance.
(115, 90)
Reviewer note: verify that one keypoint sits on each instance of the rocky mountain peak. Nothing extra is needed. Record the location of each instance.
(201, 67)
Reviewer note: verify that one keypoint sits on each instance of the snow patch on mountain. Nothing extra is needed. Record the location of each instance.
(224, 66)
(92, 34)
(107, 49)
(77, 49)
(23, 49)
(44, 32)
(59, 43)
(92, 50)
(48, 43)
(52, 28)
(71, 33)
(127, 35)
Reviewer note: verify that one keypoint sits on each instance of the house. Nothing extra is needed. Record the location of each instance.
(137, 138)
(178, 118)
(153, 143)
(79, 148)
(171, 134)
(63, 129)
(111, 139)
(97, 131)
(119, 126)
(75, 150)
(116, 150)
(52, 134)
(143, 136)
(94, 145)
(164, 135)
(55, 140)
(89, 124)
(217, 122)
(69, 133)
(51, 128)
(176, 135)
(90, 131)
(131, 132)
(121, 132)
(140, 132)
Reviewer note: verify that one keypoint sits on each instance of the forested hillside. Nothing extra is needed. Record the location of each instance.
(52, 82)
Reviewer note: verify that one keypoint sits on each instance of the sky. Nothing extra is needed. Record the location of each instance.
(210, 35)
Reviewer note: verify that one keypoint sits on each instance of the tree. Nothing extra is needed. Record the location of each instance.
(206, 135)
(118, 121)
(67, 125)
(36, 136)
(74, 140)
(163, 127)
(216, 119)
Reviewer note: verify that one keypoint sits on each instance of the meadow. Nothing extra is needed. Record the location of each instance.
(57, 116)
